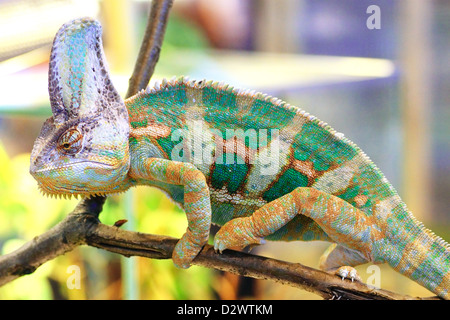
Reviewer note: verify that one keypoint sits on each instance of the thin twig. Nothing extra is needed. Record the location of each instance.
(151, 46)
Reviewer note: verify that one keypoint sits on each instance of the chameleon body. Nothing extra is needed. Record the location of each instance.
(253, 164)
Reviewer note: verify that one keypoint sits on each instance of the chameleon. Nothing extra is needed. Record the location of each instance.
(260, 168)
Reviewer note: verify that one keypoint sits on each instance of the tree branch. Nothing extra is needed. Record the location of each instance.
(150, 47)
(82, 227)
(64, 237)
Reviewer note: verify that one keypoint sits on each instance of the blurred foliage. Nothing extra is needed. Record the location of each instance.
(25, 213)
(182, 33)
(184, 48)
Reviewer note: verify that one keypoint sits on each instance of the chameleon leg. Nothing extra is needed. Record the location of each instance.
(196, 202)
(340, 259)
(342, 222)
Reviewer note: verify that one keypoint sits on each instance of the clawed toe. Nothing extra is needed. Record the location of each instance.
(219, 247)
(347, 272)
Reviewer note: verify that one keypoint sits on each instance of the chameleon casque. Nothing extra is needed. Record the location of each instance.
(251, 163)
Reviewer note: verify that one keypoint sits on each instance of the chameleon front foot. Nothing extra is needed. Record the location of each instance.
(236, 233)
(347, 272)
(186, 250)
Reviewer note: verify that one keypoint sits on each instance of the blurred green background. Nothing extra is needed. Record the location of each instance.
(386, 89)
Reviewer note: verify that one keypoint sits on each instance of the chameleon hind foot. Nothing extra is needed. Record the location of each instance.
(186, 249)
(347, 272)
(339, 260)
(236, 233)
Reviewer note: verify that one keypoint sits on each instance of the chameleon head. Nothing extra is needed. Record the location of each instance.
(83, 148)
(83, 157)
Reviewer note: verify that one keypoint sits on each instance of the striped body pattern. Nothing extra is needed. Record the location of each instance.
(253, 164)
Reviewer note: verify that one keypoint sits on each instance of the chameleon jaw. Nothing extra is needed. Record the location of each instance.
(104, 181)
(69, 194)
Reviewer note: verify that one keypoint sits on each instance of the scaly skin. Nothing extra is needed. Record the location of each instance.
(262, 169)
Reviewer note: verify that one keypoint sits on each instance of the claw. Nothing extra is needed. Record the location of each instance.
(219, 247)
(347, 272)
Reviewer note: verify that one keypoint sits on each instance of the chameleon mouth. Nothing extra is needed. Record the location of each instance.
(34, 170)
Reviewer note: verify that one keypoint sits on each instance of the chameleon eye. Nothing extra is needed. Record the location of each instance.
(70, 141)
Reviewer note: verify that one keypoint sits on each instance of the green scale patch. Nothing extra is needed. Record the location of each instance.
(165, 107)
(286, 183)
(220, 108)
(264, 115)
(139, 124)
(230, 175)
(167, 145)
(314, 143)
(259, 114)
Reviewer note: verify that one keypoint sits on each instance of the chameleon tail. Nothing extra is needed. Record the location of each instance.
(418, 253)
